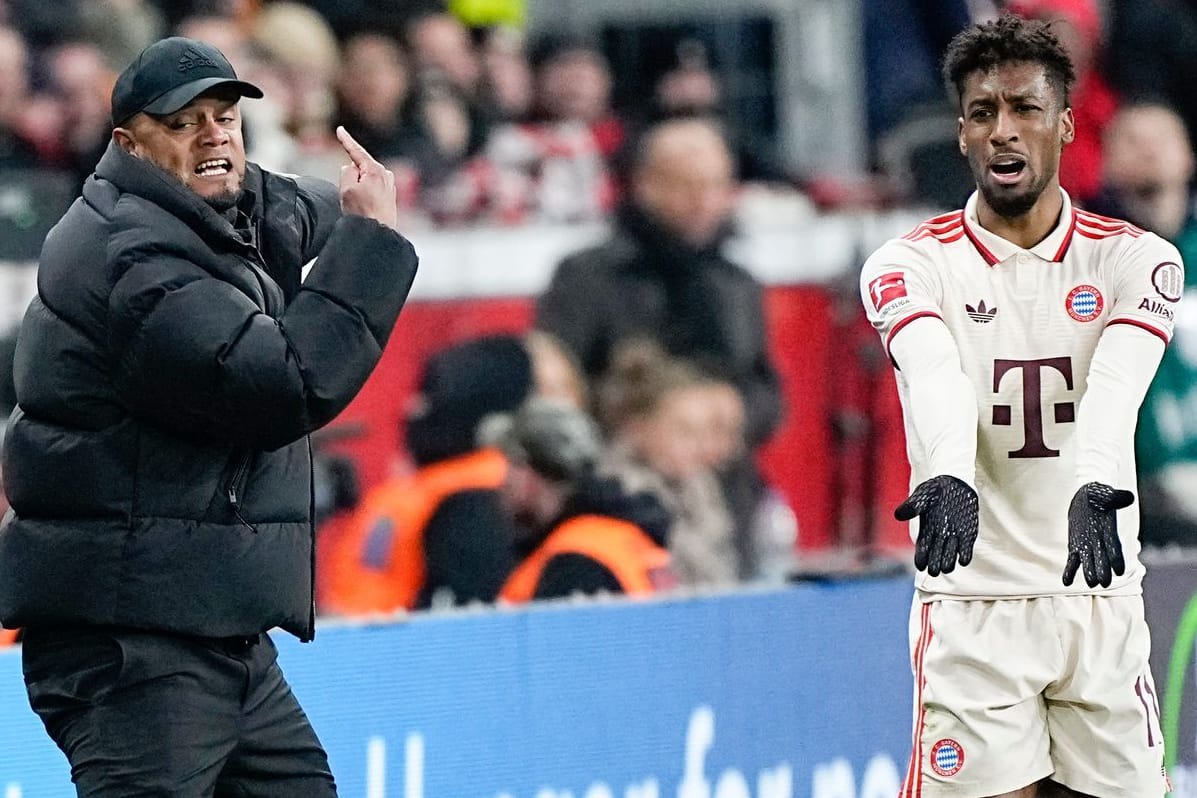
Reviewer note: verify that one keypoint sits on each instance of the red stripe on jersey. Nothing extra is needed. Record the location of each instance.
(1097, 220)
(989, 257)
(943, 237)
(1059, 256)
(956, 235)
(1158, 333)
(902, 324)
(935, 225)
(913, 787)
(1099, 235)
(1098, 227)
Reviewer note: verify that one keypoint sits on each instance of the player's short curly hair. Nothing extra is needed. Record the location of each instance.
(1007, 39)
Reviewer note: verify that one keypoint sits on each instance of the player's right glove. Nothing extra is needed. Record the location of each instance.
(947, 512)
(1093, 544)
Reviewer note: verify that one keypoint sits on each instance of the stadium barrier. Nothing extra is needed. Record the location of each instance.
(803, 691)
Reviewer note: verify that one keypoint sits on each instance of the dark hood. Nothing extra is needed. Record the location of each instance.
(140, 177)
(460, 387)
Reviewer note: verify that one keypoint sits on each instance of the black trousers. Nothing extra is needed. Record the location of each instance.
(143, 714)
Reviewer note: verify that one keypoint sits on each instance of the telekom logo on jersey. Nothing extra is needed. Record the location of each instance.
(1032, 371)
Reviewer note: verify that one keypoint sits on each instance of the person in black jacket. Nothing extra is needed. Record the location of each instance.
(663, 276)
(168, 374)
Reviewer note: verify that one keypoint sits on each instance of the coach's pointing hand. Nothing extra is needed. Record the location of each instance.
(367, 187)
(947, 511)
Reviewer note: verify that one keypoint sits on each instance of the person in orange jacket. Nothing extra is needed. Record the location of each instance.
(438, 535)
(577, 532)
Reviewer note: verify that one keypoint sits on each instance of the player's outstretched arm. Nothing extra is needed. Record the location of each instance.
(947, 511)
(1093, 544)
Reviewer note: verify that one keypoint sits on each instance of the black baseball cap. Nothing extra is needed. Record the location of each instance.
(169, 74)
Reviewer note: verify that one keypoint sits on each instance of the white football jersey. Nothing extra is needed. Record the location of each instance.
(1026, 323)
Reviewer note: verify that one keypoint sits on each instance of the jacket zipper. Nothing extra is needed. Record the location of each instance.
(235, 485)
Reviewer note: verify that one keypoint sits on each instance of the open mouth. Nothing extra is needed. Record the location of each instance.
(215, 167)
(1007, 168)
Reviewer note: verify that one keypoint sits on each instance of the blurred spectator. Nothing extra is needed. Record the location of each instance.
(421, 123)
(120, 29)
(573, 85)
(438, 536)
(1078, 24)
(656, 411)
(372, 88)
(1149, 172)
(552, 167)
(439, 42)
(507, 75)
(663, 276)
(691, 87)
(81, 82)
(16, 150)
(1152, 55)
(299, 51)
(577, 533)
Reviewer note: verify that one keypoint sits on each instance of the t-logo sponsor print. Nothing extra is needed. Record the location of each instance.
(1034, 444)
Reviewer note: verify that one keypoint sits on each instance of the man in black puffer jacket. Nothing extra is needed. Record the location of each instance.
(168, 374)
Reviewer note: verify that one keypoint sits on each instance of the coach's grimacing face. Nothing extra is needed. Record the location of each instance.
(1013, 129)
(200, 145)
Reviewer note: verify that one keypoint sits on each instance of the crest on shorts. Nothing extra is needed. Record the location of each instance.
(947, 757)
(1084, 303)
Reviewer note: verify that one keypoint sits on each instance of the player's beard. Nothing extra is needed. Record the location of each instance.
(1013, 202)
(1011, 205)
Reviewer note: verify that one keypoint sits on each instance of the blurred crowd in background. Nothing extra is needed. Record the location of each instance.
(668, 389)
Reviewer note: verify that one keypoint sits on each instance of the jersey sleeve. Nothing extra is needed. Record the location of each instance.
(897, 286)
(1148, 281)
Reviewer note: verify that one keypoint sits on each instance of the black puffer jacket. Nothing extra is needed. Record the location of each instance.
(167, 376)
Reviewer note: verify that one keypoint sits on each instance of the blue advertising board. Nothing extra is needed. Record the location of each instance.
(802, 691)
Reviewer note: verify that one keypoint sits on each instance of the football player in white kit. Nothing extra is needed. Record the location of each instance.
(1024, 333)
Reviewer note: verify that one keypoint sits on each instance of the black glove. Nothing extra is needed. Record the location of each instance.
(947, 511)
(1093, 533)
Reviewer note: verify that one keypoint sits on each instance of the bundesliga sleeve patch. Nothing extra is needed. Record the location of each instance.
(1084, 303)
(887, 288)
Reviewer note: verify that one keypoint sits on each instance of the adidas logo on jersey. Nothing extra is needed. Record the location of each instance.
(981, 314)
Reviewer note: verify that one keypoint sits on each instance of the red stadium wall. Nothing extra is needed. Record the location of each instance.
(837, 455)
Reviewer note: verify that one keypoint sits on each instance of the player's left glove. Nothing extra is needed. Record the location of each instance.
(1093, 544)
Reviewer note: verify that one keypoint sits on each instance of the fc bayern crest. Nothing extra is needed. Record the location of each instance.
(1084, 303)
(947, 757)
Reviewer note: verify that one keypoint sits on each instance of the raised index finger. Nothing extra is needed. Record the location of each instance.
(357, 153)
